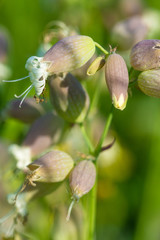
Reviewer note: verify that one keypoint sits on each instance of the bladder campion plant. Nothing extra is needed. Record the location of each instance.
(72, 106)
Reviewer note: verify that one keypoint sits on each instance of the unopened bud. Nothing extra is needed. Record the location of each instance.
(28, 114)
(82, 178)
(54, 166)
(81, 181)
(149, 82)
(145, 55)
(69, 53)
(96, 65)
(45, 131)
(69, 98)
(128, 32)
(117, 80)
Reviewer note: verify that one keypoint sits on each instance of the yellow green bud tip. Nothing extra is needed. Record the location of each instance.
(119, 103)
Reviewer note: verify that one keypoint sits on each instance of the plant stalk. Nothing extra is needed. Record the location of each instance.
(101, 48)
(88, 142)
(92, 196)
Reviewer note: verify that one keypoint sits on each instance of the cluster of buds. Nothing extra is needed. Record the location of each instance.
(145, 57)
(54, 167)
(71, 103)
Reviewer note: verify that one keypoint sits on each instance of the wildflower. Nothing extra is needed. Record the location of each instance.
(81, 180)
(66, 55)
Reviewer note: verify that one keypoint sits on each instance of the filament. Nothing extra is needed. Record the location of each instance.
(25, 95)
(17, 80)
(23, 92)
(70, 209)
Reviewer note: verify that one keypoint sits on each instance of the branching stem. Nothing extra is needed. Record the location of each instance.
(101, 48)
(88, 142)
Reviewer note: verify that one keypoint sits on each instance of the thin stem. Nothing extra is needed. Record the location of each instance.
(89, 144)
(106, 128)
(92, 203)
(93, 193)
(101, 48)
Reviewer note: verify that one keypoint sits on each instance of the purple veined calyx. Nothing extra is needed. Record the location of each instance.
(38, 75)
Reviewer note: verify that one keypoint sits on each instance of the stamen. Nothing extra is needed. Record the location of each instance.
(23, 92)
(17, 80)
(25, 96)
(69, 210)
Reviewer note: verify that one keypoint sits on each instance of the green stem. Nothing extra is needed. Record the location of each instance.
(106, 128)
(89, 144)
(101, 48)
(92, 198)
(92, 203)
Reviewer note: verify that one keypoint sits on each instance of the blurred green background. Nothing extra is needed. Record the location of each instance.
(128, 205)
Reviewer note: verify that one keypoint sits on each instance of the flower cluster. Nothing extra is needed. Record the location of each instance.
(47, 168)
(145, 57)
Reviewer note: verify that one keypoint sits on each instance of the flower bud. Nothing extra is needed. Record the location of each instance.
(69, 98)
(82, 178)
(69, 53)
(57, 30)
(149, 82)
(117, 80)
(45, 131)
(96, 65)
(54, 166)
(145, 55)
(128, 32)
(28, 114)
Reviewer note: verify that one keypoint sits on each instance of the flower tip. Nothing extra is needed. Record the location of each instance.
(119, 103)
